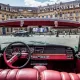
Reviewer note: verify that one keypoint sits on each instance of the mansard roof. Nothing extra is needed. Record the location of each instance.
(36, 8)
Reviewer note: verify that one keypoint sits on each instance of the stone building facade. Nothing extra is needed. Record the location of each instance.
(68, 11)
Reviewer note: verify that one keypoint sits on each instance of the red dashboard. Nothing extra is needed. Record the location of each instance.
(53, 52)
(49, 52)
(52, 56)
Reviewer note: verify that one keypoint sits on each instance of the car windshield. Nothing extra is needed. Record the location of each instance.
(42, 34)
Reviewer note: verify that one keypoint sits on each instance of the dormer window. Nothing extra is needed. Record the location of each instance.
(77, 5)
(71, 6)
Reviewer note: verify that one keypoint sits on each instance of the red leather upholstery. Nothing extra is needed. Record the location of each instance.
(19, 74)
(27, 74)
(65, 76)
(55, 75)
(12, 74)
(0, 70)
(50, 75)
(33, 74)
(3, 74)
(40, 68)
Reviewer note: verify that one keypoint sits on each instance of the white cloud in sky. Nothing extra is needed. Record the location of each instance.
(35, 3)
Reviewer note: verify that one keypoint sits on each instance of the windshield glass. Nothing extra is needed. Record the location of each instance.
(71, 41)
(42, 35)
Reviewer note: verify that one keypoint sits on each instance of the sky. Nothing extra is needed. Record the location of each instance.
(31, 3)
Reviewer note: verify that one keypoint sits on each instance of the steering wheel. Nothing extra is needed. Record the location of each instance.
(11, 57)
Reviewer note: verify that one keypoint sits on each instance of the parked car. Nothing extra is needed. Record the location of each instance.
(21, 33)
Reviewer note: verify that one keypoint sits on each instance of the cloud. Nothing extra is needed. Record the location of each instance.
(35, 3)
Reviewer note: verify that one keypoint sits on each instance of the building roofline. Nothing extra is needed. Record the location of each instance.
(39, 6)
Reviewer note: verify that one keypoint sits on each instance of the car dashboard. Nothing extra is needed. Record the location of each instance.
(52, 52)
(46, 52)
